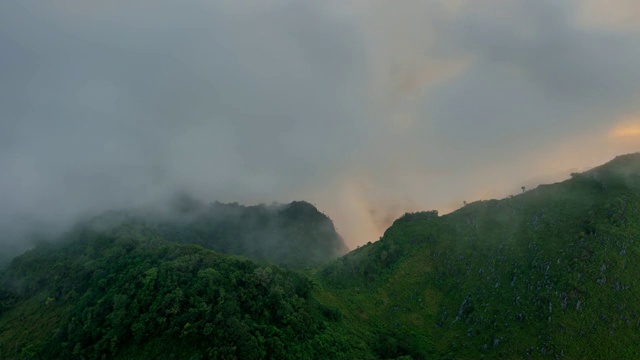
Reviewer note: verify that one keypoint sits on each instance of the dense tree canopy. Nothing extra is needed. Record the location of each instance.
(126, 291)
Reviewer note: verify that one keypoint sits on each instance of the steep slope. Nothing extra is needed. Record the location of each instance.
(550, 273)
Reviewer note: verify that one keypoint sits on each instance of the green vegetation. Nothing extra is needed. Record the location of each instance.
(127, 293)
(294, 235)
(549, 273)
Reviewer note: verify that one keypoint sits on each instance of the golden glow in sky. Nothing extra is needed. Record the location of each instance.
(627, 129)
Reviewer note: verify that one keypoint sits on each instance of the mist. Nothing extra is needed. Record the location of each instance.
(367, 109)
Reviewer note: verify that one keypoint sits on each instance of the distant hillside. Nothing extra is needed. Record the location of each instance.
(551, 273)
(294, 234)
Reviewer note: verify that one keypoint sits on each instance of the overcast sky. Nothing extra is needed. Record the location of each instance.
(366, 108)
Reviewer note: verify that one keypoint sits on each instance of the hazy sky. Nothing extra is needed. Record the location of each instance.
(366, 108)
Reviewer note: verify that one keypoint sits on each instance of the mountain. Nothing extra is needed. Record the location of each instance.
(294, 234)
(549, 273)
(128, 293)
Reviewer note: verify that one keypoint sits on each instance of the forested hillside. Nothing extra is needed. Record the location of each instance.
(127, 293)
(549, 273)
(294, 234)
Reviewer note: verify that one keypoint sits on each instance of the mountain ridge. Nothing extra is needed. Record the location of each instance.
(549, 273)
(528, 259)
(294, 234)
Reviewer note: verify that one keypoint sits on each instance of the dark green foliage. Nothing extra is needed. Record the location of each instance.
(295, 234)
(370, 262)
(124, 289)
(393, 344)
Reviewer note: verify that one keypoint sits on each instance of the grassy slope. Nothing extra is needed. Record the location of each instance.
(549, 272)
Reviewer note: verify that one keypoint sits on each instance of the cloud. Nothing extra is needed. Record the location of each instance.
(366, 108)
(619, 15)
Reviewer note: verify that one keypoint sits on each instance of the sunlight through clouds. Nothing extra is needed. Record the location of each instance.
(369, 108)
(627, 129)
